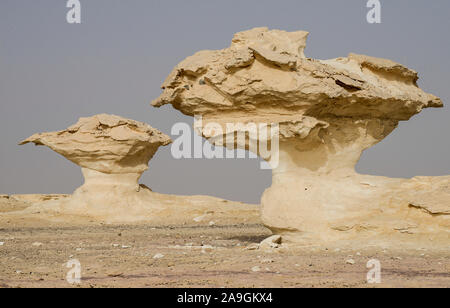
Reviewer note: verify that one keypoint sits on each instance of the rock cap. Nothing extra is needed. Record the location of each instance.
(105, 143)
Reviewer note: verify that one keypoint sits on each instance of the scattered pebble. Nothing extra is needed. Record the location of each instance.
(256, 269)
(212, 223)
(199, 218)
(125, 247)
(271, 242)
(37, 244)
(253, 247)
(350, 261)
(267, 261)
(207, 248)
(2, 243)
(158, 256)
(115, 245)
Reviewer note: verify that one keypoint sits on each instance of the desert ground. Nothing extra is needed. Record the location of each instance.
(34, 253)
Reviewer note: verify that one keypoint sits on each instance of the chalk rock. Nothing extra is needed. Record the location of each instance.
(272, 242)
(105, 143)
(113, 153)
(111, 150)
(431, 194)
(256, 269)
(16, 202)
(158, 256)
(350, 261)
(321, 115)
(34, 198)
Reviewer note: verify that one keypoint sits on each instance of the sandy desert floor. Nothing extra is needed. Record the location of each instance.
(34, 253)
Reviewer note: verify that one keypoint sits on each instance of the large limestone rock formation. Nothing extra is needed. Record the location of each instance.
(113, 153)
(328, 112)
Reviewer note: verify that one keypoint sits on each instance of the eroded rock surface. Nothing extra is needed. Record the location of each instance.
(276, 79)
(19, 202)
(105, 143)
(35, 198)
(113, 153)
(125, 206)
(328, 112)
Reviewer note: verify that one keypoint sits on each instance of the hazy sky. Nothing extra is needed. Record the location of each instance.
(51, 73)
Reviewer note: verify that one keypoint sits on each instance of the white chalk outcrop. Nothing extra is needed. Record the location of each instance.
(328, 113)
(112, 151)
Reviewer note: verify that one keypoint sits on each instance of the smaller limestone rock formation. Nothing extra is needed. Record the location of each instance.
(113, 153)
(106, 145)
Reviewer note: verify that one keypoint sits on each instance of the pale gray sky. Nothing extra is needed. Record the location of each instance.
(51, 73)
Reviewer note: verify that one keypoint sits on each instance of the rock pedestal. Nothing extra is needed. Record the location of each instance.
(327, 112)
(113, 152)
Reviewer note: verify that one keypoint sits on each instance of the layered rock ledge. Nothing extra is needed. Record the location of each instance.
(328, 112)
(105, 143)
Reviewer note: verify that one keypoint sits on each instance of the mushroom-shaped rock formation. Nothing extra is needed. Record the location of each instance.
(111, 150)
(327, 112)
(113, 153)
